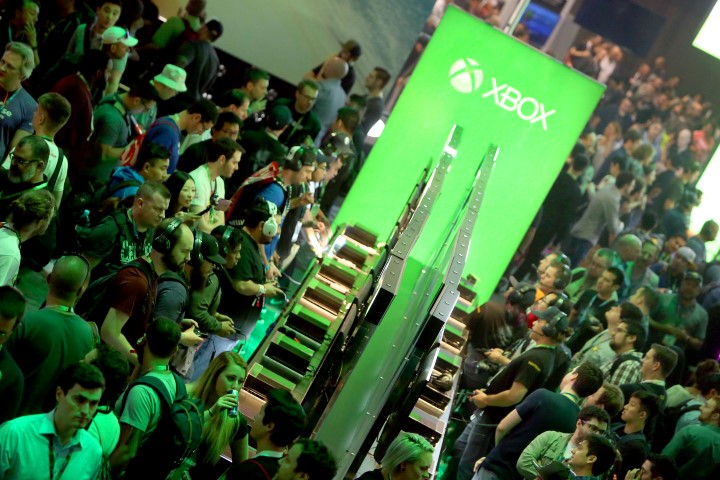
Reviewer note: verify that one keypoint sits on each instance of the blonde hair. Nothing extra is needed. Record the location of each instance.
(219, 431)
(407, 447)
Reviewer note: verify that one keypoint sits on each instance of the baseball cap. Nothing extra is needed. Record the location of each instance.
(173, 77)
(210, 249)
(690, 275)
(279, 117)
(118, 35)
(352, 47)
(552, 313)
(215, 27)
(337, 142)
(687, 253)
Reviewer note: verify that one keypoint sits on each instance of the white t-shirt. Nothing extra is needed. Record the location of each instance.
(204, 189)
(51, 166)
(9, 256)
(105, 428)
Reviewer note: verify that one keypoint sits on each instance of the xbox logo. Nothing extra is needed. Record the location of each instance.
(466, 75)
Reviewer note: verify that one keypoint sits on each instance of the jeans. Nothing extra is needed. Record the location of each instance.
(211, 348)
(476, 441)
(484, 474)
(576, 250)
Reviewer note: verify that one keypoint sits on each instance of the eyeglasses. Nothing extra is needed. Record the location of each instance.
(19, 160)
(594, 428)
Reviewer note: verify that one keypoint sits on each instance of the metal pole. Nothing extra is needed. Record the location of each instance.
(516, 16)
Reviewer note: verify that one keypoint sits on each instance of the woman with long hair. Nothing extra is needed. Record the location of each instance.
(226, 372)
(182, 191)
(408, 457)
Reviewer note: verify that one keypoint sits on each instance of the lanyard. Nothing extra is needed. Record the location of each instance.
(592, 305)
(213, 186)
(51, 459)
(17, 194)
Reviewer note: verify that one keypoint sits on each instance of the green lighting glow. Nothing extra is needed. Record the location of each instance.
(500, 91)
(708, 38)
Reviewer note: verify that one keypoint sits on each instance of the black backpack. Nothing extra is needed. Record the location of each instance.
(93, 305)
(667, 422)
(176, 437)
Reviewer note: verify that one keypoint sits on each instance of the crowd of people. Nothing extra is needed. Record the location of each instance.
(618, 376)
(147, 219)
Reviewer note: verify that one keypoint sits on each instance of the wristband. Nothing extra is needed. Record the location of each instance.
(261, 290)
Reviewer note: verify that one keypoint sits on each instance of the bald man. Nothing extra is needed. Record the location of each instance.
(331, 96)
(50, 339)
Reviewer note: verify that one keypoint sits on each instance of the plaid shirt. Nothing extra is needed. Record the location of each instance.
(627, 372)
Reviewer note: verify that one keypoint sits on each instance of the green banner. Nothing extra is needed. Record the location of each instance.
(500, 91)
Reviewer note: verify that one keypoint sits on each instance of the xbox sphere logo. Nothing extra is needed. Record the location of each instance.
(466, 75)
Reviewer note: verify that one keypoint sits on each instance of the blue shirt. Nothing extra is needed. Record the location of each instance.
(166, 132)
(24, 450)
(276, 194)
(15, 115)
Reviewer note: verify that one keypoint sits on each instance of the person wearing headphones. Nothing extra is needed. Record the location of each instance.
(244, 286)
(510, 386)
(299, 166)
(50, 339)
(132, 292)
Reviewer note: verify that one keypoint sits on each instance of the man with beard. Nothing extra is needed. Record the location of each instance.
(132, 292)
(627, 341)
(640, 274)
(244, 286)
(26, 172)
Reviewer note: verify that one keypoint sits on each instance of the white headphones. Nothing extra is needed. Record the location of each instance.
(270, 227)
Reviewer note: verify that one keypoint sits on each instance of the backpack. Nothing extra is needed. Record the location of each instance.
(248, 190)
(177, 435)
(93, 306)
(129, 155)
(667, 422)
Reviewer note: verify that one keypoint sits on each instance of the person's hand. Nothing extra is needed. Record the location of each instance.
(189, 338)
(476, 467)
(271, 290)
(186, 323)
(320, 227)
(31, 34)
(508, 292)
(495, 355)
(226, 329)
(222, 318)
(306, 199)
(226, 402)
(633, 474)
(479, 399)
(258, 105)
(187, 217)
(273, 272)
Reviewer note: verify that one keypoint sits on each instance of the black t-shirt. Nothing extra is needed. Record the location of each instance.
(305, 125)
(531, 369)
(589, 307)
(116, 242)
(541, 411)
(195, 155)
(11, 386)
(256, 468)
(242, 308)
(633, 448)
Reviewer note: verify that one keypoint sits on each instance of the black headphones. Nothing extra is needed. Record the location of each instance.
(293, 160)
(550, 329)
(196, 256)
(565, 277)
(161, 242)
(562, 258)
(225, 239)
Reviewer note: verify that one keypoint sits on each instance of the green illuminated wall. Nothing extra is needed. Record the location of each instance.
(499, 91)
